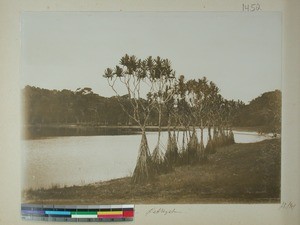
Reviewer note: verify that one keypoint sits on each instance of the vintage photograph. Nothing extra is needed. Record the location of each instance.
(151, 107)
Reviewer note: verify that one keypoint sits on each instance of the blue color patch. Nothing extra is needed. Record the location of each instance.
(60, 213)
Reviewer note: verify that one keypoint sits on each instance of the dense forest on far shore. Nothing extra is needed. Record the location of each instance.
(84, 107)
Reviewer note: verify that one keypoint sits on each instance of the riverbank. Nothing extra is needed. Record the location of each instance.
(58, 130)
(240, 173)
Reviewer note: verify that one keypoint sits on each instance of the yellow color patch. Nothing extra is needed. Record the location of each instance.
(110, 213)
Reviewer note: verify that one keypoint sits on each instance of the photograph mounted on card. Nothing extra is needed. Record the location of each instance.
(151, 107)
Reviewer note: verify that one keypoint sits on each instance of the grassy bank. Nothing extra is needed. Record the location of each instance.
(240, 173)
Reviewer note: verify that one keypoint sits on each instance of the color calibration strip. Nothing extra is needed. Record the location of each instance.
(82, 213)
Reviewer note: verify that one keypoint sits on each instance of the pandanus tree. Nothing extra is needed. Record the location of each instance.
(134, 75)
(189, 107)
(140, 78)
(212, 100)
(183, 107)
(192, 97)
(198, 92)
(223, 112)
(183, 116)
(162, 78)
(171, 155)
(205, 108)
(221, 115)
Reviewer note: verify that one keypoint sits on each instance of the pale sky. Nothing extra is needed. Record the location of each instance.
(240, 52)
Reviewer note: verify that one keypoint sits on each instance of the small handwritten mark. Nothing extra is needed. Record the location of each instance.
(287, 206)
(161, 211)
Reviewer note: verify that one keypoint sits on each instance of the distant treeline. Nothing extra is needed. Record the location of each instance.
(263, 111)
(83, 107)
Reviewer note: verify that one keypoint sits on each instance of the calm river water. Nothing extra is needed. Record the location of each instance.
(86, 159)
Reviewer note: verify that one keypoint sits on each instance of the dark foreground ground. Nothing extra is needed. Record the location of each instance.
(240, 173)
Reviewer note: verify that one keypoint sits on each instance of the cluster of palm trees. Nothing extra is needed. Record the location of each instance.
(186, 106)
(199, 105)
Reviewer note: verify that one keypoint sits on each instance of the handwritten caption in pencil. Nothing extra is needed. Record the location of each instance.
(161, 211)
(287, 206)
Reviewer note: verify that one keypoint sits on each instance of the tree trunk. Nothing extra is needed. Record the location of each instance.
(143, 170)
(157, 155)
(172, 151)
(209, 132)
(201, 133)
(192, 148)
